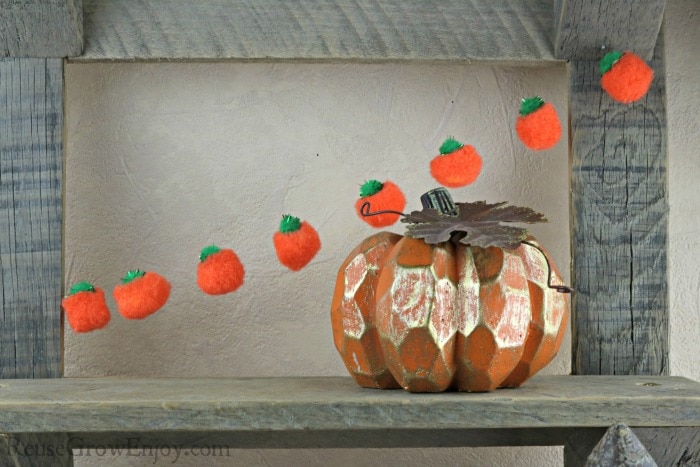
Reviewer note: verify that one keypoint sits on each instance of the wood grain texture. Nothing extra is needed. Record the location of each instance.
(337, 403)
(35, 450)
(31, 125)
(41, 28)
(620, 446)
(587, 29)
(676, 446)
(619, 203)
(362, 30)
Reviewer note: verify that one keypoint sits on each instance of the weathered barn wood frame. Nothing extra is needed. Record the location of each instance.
(619, 219)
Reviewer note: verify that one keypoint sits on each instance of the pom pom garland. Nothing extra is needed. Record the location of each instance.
(457, 165)
(141, 294)
(219, 271)
(86, 308)
(385, 196)
(625, 77)
(296, 242)
(538, 125)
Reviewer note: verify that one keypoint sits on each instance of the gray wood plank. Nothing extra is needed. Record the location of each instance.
(31, 125)
(41, 28)
(363, 30)
(587, 29)
(36, 450)
(675, 446)
(619, 203)
(326, 439)
(337, 403)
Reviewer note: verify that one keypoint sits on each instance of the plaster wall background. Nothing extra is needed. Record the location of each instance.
(163, 159)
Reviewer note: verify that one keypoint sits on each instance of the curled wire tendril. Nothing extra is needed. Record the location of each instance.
(365, 211)
(558, 287)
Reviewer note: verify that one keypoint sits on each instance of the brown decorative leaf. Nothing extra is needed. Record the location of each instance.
(477, 224)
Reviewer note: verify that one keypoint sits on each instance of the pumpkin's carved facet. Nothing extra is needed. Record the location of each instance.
(433, 317)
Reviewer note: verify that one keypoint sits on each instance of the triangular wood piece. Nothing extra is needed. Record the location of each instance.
(619, 447)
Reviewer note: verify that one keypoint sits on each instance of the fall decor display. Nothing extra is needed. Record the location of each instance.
(385, 196)
(219, 271)
(538, 125)
(462, 301)
(86, 308)
(625, 76)
(296, 242)
(457, 165)
(141, 294)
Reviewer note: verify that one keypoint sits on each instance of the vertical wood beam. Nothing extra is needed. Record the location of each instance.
(41, 28)
(31, 169)
(619, 446)
(583, 27)
(619, 202)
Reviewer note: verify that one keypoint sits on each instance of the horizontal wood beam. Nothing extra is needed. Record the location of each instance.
(89, 405)
(41, 28)
(587, 29)
(360, 30)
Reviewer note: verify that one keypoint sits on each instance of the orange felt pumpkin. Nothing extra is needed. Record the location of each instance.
(86, 308)
(625, 76)
(538, 125)
(430, 317)
(141, 294)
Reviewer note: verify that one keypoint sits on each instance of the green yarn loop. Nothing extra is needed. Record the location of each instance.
(207, 251)
(81, 287)
(370, 188)
(450, 145)
(289, 224)
(607, 62)
(132, 275)
(530, 104)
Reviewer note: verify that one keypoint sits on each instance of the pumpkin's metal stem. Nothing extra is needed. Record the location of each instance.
(559, 288)
(440, 200)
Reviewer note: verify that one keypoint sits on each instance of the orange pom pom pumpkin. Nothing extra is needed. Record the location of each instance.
(86, 308)
(219, 271)
(430, 317)
(626, 77)
(385, 196)
(141, 294)
(457, 165)
(538, 125)
(296, 242)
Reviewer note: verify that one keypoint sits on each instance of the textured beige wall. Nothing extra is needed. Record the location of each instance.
(683, 92)
(163, 159)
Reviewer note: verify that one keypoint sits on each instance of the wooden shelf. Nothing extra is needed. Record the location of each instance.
(333, 411)
(311, 30)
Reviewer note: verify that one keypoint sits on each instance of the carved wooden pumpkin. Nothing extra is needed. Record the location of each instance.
(432, 317)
